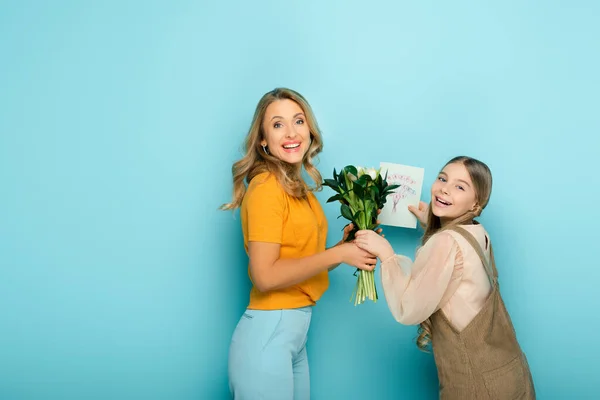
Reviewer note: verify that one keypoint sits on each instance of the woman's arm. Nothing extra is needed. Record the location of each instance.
(269, 272)
(347, 229)
(265, 212)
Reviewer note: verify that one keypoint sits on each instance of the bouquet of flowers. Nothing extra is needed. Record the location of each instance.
(361, 192)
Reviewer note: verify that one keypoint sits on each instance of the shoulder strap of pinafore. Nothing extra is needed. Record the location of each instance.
(490, 267)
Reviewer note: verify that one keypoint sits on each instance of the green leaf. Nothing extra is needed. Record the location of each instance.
(367, 178)
(334, 175)
(351, 236)
(332, 184)
(389, 189)
(351, 169)
(363, 180)
(359, 219)
(358, 191)
(337, 197)
(374, 192)
(346, 213)
(341, 177)
(347, 183)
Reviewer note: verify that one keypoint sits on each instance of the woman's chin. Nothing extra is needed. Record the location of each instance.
(292, 159)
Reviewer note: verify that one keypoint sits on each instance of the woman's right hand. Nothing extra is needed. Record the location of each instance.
(357, 257)
(420, 213)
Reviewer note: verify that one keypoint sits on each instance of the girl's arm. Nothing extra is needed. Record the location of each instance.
(413, 290)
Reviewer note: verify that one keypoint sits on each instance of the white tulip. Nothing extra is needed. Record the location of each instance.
(372, 173)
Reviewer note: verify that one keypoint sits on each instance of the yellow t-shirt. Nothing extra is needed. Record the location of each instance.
(269, 214)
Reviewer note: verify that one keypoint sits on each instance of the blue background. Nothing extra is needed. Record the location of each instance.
(119, 122)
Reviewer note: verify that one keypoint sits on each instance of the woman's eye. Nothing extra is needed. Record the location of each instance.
(441, 179)
(300, 122)
(277, 125)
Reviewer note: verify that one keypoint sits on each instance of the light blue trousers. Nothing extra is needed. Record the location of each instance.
(267, 355)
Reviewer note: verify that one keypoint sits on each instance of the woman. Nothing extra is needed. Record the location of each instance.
(285, 231)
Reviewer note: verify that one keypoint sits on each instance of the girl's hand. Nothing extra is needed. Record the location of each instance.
(357, 257)
(373, 243)
(421, 212)
(348, 228)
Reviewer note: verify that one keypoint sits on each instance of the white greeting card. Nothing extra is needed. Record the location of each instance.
(395, 211)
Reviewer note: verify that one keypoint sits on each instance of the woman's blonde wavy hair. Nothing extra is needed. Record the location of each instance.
(256, 160)
(481, 176)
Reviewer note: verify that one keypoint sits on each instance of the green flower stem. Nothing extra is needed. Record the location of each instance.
(365, 284)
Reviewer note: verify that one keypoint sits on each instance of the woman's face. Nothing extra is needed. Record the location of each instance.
(287, 135)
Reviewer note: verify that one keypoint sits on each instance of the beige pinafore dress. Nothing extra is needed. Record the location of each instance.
(484, 360)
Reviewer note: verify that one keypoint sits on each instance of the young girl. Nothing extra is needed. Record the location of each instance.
(285, 231)
(451, 290)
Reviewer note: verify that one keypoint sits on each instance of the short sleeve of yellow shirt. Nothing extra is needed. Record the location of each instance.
(265, 208)
(299, 226)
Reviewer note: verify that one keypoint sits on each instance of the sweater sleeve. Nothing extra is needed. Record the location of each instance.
(414, 290)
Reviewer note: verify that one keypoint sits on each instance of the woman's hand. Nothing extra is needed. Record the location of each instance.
(373, 243)
(420, 213)
(378, 230)
(357, 257)
(347, 229)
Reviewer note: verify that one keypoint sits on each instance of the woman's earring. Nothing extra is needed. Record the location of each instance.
(265, 150)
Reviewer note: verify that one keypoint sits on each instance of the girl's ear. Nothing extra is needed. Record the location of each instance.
(476, 209)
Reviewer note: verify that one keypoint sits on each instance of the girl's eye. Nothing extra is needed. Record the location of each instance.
(277, 125)
(461, 188)
(300, 122)
(442, 179)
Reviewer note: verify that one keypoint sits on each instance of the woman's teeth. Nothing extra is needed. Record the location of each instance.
(291, 146)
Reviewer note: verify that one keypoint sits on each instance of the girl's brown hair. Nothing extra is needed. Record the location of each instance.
(256, 160)
(481, 176)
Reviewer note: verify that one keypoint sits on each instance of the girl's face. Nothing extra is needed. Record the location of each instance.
(287, 134)
(452, 194)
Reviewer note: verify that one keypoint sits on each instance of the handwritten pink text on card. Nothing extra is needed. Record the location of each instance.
(404, 190)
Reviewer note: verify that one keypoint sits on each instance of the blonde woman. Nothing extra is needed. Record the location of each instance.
(284, 231)
(451, 290)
